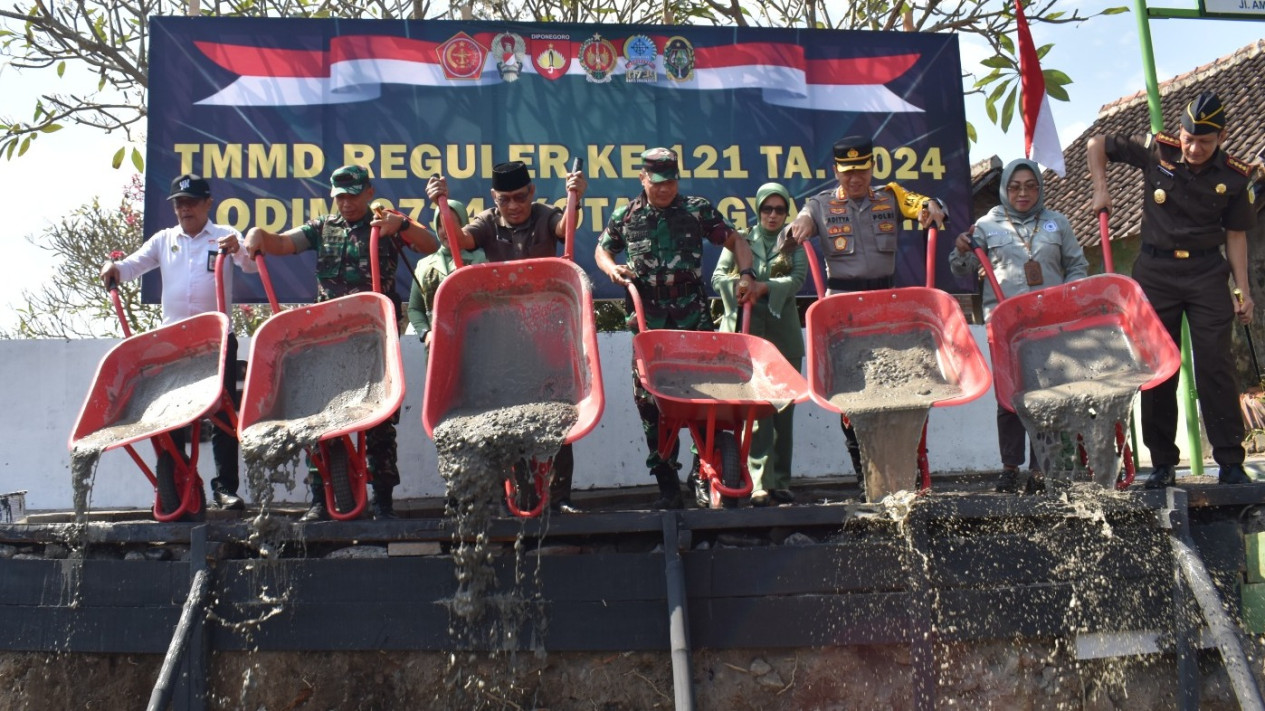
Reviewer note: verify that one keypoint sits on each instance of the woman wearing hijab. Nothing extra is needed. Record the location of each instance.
(1030, 247)
(774, 317)
(432, 269)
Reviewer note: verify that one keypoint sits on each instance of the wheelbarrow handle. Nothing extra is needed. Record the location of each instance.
(636, 301)
(986, 265)
(112, 286)
(815, 267)
(221, 299)
(267, 282)
(932, 233)
(572, 215)
(1105, 236)
(450, 229)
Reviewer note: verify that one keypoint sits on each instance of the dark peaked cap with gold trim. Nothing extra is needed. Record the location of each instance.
(1204, 114)
(853, 153)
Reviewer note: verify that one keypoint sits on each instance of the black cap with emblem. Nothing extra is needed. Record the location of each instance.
(1204, 114)
(853, 153)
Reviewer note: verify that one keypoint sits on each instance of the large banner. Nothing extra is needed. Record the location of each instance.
(268, 108)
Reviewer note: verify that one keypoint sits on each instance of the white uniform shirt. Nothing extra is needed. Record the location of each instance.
(187, 265)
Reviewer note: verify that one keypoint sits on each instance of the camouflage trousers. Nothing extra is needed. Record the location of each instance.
(380, 450)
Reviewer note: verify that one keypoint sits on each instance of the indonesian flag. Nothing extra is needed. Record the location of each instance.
(1040, 138)
(355, 67)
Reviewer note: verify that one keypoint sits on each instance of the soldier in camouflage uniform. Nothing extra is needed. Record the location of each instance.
(341, 243)
(859, 226)
(663, 233)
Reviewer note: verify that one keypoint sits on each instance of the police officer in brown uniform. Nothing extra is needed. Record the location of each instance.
(518, 227)
(1196, 200)
(859, 225)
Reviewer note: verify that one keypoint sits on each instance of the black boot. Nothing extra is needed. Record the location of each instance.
(1162, 476)
(669, 488)
(383, 506)
(1008, 483)
(317, 511)
(1233, 474)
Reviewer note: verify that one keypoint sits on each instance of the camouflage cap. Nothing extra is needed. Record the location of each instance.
(660, 164)
(853, 153)
(1204, 115)
(189, 185)
(349, 180)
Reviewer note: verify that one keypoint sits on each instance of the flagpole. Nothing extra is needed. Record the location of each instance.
(1185, 388)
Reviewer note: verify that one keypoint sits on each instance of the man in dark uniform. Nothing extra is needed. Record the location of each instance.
(1196, 200)
(518, 227)
(860, 225)
(341, 243)
(663, 233)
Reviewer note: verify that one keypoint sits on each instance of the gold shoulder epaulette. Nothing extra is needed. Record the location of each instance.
(1168, 140)
(1238, 166)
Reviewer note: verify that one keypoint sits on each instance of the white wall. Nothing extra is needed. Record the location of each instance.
(47, 381)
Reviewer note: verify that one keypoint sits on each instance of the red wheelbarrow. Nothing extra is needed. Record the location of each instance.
(1103, 324)
(152, 384)
(844, 331)
(321, 375)
(530, 320)
(716, 385)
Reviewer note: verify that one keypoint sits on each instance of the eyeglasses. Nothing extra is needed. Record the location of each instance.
(1022, 187)
(519, 198)
(773, 210)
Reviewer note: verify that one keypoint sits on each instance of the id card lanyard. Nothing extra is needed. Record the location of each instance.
(1031, 268)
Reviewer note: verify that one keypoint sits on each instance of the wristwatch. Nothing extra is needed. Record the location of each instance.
(747, 272)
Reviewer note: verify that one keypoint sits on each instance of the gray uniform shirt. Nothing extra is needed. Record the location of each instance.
(858, 237)
(1053, 246)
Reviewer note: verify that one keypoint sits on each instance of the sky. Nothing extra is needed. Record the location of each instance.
(64, 170)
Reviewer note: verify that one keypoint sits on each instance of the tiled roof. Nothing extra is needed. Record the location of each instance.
(1236, 79)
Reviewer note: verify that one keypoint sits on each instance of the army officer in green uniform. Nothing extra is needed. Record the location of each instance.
(341, 243)
(663, 233)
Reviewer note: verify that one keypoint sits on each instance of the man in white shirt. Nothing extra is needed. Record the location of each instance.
(185, 257)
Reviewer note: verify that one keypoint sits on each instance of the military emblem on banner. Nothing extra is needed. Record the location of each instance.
(510, 50)
(461, 57)
(550, 54)
(598, 59)
(639, 55)
(678, 59)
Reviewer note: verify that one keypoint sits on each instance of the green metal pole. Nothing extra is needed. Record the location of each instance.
(1186, 383)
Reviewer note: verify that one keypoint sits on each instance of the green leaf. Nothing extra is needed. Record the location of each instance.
(61, 69)
(1006, 43)
(26, 143)
(1044, 50)
(990, 107)
(1116, 10)
(1056, 92)
(1001, 89)
(138, 161)
(118, 158)
(970, 133)
(1008, 110)
(1054, 76)
(1053, 16)
(999, 62)
(987, 79)
(50, 128)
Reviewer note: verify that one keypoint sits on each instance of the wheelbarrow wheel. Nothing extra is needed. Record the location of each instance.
(730, 469)
(169, 491)
(340, 481)
(165, 474)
